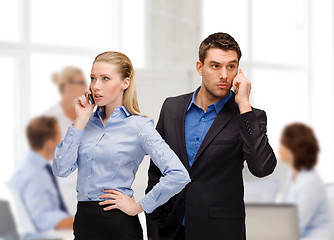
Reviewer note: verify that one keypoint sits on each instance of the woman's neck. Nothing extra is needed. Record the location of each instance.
(295, 173)
(110, 108)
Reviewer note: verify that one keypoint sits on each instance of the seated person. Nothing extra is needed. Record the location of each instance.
(34, 181)
(299, 149)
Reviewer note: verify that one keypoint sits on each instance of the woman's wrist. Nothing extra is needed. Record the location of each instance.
(80, 123)
(139, 208)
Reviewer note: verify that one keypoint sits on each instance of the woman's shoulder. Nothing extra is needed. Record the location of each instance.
(311, 180)
(140, 121)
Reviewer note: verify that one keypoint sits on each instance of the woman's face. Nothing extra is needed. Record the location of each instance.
(76, 86)
(107, 84)
(286, 154)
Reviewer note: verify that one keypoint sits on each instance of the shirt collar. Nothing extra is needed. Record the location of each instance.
(120, 110)
(218, 105)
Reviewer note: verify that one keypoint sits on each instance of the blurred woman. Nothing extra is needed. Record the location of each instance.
(71, 84)
(299, 149)
(107, 146)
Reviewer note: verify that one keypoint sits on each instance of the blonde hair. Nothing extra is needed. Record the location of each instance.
(126, 69)
(64, 76)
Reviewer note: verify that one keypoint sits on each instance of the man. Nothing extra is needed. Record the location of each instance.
(213, 131)
(34, 181)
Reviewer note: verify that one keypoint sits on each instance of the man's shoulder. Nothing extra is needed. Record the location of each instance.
(179, 98)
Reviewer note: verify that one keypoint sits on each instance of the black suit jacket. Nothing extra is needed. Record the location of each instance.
(212, 203)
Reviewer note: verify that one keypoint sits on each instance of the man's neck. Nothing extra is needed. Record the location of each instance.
(205, 99)
(45, 154)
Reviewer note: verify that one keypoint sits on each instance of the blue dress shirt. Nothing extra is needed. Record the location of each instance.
(108, 157)
(198, 122)
(309, 194)
(38, 192)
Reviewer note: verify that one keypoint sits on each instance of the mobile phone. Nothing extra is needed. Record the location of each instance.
(90, 96)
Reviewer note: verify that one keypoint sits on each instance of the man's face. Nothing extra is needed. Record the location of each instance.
(218, 71)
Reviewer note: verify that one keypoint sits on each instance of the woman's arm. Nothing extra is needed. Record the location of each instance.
(175, 176)
(66, 153)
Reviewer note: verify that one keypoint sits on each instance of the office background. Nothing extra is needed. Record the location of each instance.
(287, 45)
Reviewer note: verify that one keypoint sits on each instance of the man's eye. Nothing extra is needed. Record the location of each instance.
(106, 78)
(215, 66)
(231, 67)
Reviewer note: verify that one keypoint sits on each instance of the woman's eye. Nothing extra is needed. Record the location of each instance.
(92, 78)
(106, 78)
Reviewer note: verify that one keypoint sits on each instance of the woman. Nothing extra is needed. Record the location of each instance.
(107, 148)
(299, 149)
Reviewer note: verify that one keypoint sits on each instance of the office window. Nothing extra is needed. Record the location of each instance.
(8, 118)
(74, 23)
(9, 21)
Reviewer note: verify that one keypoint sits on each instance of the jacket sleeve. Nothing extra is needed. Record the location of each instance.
(257, 152)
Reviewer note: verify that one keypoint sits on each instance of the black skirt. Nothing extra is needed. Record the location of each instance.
(91, 222)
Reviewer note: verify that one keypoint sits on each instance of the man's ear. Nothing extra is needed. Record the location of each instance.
(199, 67)
(126, 83)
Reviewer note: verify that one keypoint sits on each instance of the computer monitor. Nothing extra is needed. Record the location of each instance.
(7, 224)
(271, 221)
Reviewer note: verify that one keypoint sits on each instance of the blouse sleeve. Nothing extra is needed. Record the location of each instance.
(66, 154)
(174, 175)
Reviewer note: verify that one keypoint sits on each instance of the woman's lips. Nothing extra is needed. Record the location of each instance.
(97, 97)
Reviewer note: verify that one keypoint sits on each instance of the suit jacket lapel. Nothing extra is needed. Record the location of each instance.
(181, 111)
(221, 120)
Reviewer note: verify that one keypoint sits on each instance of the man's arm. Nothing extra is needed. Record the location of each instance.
(258, 153)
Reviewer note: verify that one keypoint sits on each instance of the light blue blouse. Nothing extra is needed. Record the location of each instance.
(108, 157)
(309, 194)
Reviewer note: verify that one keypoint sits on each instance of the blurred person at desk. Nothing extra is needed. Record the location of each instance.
(299, 149)
(34, 181)
(71, 83)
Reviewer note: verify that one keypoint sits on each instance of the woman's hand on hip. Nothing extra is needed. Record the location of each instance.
(118, 200)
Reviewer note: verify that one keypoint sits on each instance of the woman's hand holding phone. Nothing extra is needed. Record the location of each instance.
(83, 110)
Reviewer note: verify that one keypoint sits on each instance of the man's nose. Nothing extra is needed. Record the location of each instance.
(223, 74)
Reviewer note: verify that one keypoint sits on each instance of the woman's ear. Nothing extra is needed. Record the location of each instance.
(126, 83)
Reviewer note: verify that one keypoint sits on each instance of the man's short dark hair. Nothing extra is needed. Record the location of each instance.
(39, 130)
(301, 140)
(219, 40)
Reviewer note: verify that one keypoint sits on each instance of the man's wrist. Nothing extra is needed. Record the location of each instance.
(244, 107)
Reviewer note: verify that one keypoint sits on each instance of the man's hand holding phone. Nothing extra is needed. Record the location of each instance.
(242, 88)
(83, 109)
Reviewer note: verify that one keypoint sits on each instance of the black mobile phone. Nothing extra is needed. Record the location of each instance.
(91, 99)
